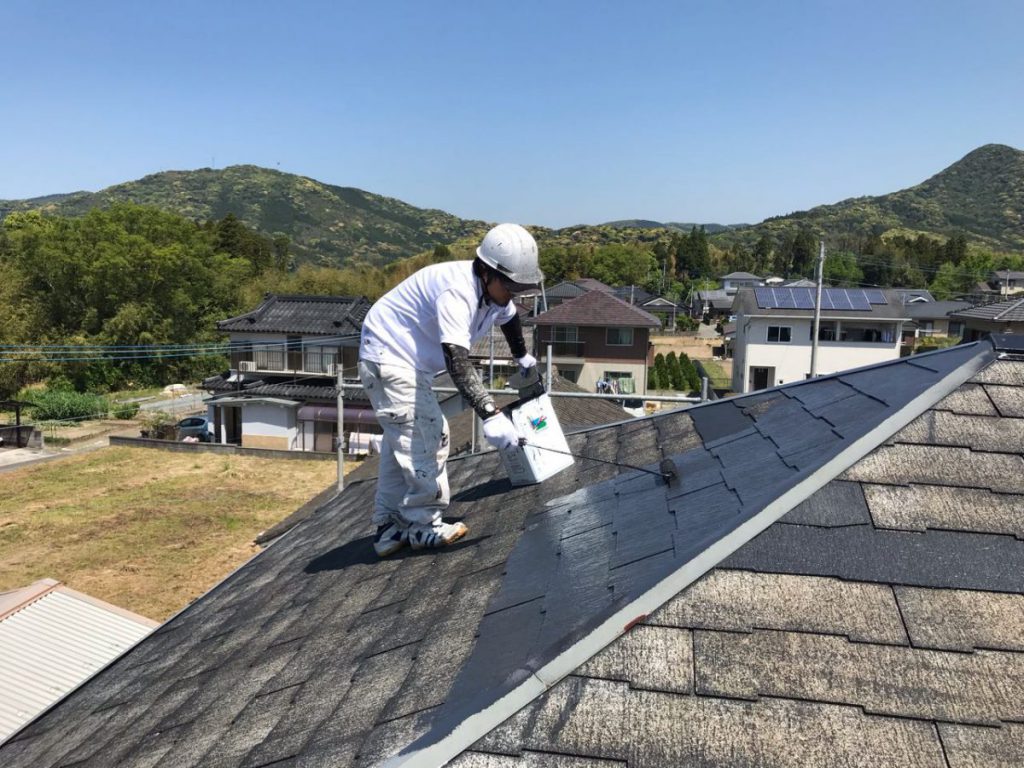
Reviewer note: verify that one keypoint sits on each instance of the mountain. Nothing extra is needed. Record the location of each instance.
(711, 229)
(327, 224)
(980, 196)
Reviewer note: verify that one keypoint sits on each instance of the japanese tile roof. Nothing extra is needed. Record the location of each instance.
(482, 348)
(635, 292)
(1007, 274)
(564, 290)
(741, 276)
(320, 315)
(595, 308)
(878, 622)
(318, 392)
(1009, 311)
(746, 304)
(928, 310)
(590, 284)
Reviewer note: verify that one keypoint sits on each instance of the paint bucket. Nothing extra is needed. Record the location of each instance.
(534, 419)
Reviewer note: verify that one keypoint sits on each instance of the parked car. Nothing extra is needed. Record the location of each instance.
(195, 426)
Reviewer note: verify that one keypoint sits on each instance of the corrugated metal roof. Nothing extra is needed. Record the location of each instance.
(53, 644)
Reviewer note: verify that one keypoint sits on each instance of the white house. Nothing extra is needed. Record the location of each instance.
(736, 280)
(285, 358)
(774, 330)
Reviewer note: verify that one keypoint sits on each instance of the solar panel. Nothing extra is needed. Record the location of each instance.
(804, 297)
(875, 296)
(840, 299)
(784, 298)
(765, 298)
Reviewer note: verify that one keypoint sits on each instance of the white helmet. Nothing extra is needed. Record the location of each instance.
(512, 251)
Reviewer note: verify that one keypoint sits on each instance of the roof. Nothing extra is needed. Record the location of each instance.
(482, 348)
(1009, 311)
(595, 308)
(320, 315)
(803, 282)
(914, 295)
(262, 388)
(746, 304)
(1007, 274)
(933, 309)
(633, 294)
(564, 290)
(877, 623)
(590, 284)
(52, 639)
(741, 276)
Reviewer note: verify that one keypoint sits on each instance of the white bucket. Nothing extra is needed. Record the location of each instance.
(536, 421)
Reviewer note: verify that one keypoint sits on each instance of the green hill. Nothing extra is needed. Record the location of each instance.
(327, 224)
(980, 196)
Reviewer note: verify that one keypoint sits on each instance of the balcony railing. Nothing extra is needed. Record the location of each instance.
(562, 348)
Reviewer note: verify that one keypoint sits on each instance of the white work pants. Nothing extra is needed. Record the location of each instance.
(412, 483)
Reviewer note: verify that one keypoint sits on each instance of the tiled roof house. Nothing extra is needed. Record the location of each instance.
(1001, 317)
(597, 337)
(830, 573)
(285, 358)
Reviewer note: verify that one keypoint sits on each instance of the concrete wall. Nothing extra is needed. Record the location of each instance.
(792, 361)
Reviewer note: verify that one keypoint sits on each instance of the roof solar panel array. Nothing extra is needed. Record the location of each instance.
(842, 299)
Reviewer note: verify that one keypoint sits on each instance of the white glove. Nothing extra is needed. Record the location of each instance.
(526, 362)
(500, 432)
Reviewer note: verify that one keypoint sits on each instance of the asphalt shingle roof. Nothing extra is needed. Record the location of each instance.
(595, 308)
(322, 315)
(877, 623)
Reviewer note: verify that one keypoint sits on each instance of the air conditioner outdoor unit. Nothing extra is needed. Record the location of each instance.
(246, 366)
(332, 369)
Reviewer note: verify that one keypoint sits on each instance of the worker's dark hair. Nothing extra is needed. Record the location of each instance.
(484, 271)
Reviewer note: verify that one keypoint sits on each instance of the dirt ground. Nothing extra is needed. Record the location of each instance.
(696, 349)
(143, 529)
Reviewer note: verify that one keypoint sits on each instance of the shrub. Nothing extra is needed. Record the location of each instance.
(66, 405)
(125, 411)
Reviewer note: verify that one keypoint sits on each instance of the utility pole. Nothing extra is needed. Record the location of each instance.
(341, 425)
(817, 310)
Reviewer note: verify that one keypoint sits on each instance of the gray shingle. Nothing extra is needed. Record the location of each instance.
(983, 688)
(919, 507)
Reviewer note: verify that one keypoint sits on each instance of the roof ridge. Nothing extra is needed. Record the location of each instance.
(1017, 304)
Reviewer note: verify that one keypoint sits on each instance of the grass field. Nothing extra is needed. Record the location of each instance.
(146, 530)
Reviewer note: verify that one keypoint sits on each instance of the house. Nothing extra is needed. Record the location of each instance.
(930, 319)
(1006, 282)
(832, 574)
(597, 337)
(803, 282)
(53, 639)
(285, 358)
(1001, 317)
(714, 304)
(571, 289)
(774, 328)
(736, 280)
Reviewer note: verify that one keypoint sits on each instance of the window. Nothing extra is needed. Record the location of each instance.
(620, 337)
(779, 334)
(566, 333)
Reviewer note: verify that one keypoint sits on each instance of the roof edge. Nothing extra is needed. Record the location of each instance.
(478, 725)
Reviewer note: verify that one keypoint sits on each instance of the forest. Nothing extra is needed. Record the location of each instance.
(129, 296)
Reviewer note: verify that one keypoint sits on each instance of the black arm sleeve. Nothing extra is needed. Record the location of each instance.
(456, 360)
(513, 331)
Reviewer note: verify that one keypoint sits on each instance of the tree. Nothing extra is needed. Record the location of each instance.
(675, 374)
(947, 282)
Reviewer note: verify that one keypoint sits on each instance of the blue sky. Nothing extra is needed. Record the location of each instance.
(551, 113)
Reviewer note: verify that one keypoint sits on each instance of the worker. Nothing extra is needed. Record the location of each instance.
(420, 328)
